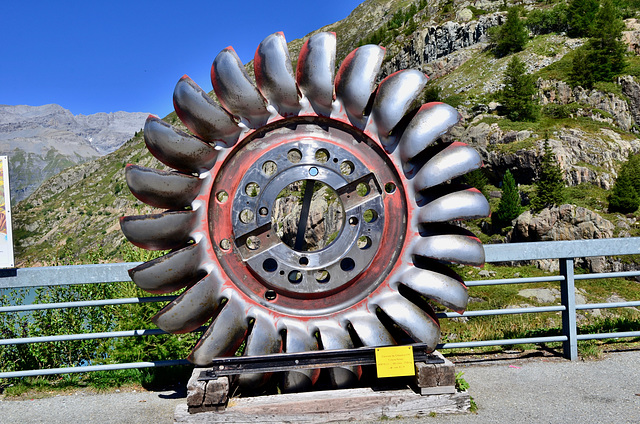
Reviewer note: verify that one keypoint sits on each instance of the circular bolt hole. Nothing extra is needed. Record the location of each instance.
(294, 155)
(246, 216)
(347, 167)
(347, 264)
(252, 189)
(263, 211)
(370, 216)
(322, 155)
(222, 196)
(390, 187)
(253, 243)
(362, 189)
(270, 295)
(322, 276)
(225, 244)
(295, 277)
(281, 272)
(313, 171)
(353, 221)
(270, 265)
(304, 260)
(269, 168)
(364, 242)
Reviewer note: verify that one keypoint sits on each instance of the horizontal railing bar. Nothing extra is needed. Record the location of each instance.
(608, 305)
(65, 275)
(91, 368)
(623, 334)
(508, 252)
(88, 336)
(482, 343)
(508, 311)
(84, 336)
(551, 278)
(86, 303)
(596, 276)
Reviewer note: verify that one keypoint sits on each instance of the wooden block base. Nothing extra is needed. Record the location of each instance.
(329, 406)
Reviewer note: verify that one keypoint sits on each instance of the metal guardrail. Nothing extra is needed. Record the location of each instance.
(565, 251)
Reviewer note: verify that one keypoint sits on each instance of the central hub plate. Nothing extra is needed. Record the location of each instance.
(262, 170)
(308, 272)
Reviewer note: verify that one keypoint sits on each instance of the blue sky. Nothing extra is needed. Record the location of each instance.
(108, 56)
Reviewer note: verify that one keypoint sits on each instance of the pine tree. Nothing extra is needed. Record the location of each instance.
(580, 17)
(517, 95)
(509, 207)
(512, 36)
(549, 189)
(607, 49)
(477, 179)
(624, 197)
(603, 56)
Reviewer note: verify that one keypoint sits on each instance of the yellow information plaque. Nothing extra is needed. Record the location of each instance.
(395, 361)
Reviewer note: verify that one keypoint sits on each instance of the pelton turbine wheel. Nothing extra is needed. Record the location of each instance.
(382, 170)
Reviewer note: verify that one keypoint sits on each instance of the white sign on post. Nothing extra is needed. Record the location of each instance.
(6, 237)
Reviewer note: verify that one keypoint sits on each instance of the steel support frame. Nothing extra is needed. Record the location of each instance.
(226, 366)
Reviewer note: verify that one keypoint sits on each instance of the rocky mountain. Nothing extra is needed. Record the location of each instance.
(76, 211)
(41, 141)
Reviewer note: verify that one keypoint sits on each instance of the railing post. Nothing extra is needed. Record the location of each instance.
(568, 298)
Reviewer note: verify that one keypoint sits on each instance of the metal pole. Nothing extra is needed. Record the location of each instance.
(568, 297)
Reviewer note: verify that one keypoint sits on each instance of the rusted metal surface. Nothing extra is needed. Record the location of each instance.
(390, 174)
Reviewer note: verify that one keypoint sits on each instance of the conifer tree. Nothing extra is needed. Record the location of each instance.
(477, 179)
(549, 189)
(607, 48)
(509, 207)
(580, 17)
(603, 56)
(517, 95)
(623, 197)
(512, 36)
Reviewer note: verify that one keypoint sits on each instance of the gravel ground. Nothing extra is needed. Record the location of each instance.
(529, 391)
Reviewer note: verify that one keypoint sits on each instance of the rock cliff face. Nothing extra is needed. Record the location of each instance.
(41, 141)
(430, 49)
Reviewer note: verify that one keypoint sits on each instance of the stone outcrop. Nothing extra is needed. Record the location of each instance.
(631, 89)
(567, 222)
(570, 222)
(559, 92)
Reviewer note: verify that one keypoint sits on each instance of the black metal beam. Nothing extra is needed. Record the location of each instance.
(305, 360)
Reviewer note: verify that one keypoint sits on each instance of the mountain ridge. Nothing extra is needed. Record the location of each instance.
(41, 141)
